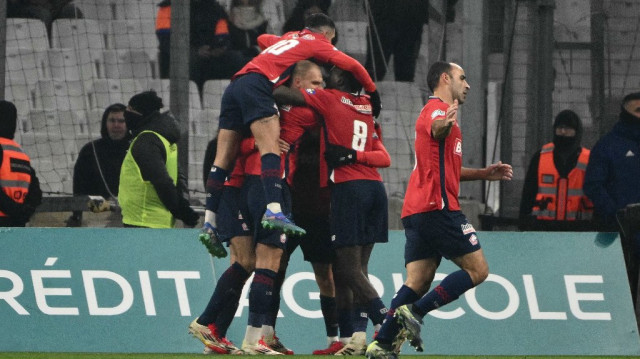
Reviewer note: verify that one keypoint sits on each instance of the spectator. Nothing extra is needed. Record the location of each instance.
(153, 193)
(97, 169)
(552, 198)
(612, 182)
(613, 173)
(397, 28)
(302, 10)
(245, 25)
(45, 10)
(210, 54)
(20, 192)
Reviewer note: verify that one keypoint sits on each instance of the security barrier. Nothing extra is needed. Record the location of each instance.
(136, 290)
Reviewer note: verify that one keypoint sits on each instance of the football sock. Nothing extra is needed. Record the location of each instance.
(390, 328)
(252, 335)
(330, 315)
(214, 186)
(345, 324)
(228, 288)
(272, 316)
(451, 287)
(260, 296)
(360, 319)
(376, 311)
(271, 178)
(228, 312)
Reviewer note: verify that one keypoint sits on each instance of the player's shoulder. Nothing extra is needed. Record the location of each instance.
(434, 108)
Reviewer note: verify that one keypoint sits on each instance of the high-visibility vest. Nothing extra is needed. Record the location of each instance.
(15, 172)
(561, 199)
(141, 206)
(163, 19)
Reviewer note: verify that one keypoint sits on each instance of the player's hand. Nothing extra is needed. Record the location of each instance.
(499, 171)
(376, 103)
(283, 145)
(452, 114)
(337, 156)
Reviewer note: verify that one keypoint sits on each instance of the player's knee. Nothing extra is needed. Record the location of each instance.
(479, 273)
(247, 262)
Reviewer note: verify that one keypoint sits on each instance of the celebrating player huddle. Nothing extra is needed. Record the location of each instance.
(253, 199)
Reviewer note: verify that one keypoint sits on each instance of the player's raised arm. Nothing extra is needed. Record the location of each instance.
(495, 172)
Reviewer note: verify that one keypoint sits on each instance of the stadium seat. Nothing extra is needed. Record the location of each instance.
(87, 38)
(348, 10)
(102, 10)
(94, 122)
(395, 181)
(23, 69)
(139, 9)
(273, 11)
(104, 92)
(204, 122)
(28, 33)
(63, 64)
(398, 95)
(57, 125)
(58, 95)
(212, 93)
(135, 34)
(352, 38)
(127, 64)
(163, 88)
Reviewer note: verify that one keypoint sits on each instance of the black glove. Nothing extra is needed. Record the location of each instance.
(376, 103)
(186, 214)
(337, 156)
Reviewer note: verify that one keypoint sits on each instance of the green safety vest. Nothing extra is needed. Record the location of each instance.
(138, 199)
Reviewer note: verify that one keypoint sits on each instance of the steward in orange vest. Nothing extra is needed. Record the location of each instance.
(19, 187)
(552, 197)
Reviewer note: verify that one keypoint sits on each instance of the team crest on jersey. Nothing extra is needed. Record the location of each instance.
(311, 91)
(437, 113)
(286, 108)
(473, 240)
(457, 149)
(467, 228)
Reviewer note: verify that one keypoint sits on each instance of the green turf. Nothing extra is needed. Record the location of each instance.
(189, 356)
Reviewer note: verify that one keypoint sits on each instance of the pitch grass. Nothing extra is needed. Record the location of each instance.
(193, 356)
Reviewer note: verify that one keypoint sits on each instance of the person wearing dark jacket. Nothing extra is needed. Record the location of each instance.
(97, 169)
(552, 198)
(153, 193)
(20, 192)
(612, 182)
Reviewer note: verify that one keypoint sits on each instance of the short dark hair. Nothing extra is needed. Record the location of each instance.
(630, 97)
(435, 71)
(316, 21)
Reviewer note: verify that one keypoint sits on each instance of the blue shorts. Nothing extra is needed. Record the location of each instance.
(231, 218)
(438, 234)
(359, 213)
(257, 203)
(246, 99)
(316, 244)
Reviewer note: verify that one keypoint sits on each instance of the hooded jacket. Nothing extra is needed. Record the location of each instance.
(612, 180)
(97, 169)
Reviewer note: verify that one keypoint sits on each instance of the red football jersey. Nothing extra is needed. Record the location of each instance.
(438, 165)
(283, 52)
(294, 120)
(349, 124)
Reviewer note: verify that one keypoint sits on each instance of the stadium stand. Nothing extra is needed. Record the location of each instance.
(212, 93)
(28, 33)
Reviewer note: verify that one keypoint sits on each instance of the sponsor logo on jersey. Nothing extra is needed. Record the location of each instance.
(245, 227)
(473, 240)
(333, 238)
(283, 238)
(467, 228)
(457, 149)
(286, 108)
(311, 91)
(363, 108)
(308, 37)
(437, 113)
(346, 101)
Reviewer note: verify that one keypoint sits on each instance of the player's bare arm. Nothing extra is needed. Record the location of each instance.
(495, 172)
(286, 96)
(442, 128)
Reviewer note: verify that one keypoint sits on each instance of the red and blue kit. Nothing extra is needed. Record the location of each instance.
(349, 124)
(435, 180)
(282, 52)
